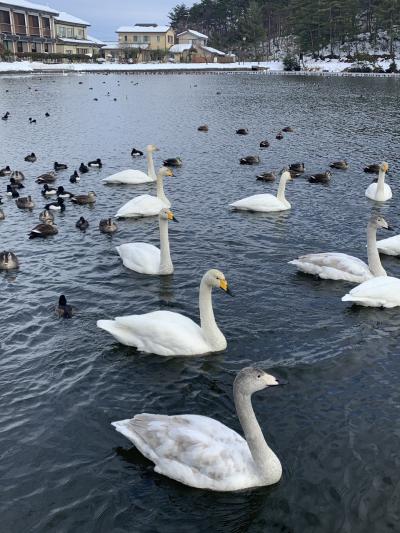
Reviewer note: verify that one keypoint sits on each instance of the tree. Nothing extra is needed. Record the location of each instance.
(178, 17)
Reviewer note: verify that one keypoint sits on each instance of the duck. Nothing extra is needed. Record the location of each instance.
(12, 192)
(5, 116)
(83, 199)
(146, 258)
(203, 127)
(344, 267)
(16, 184)
(135, 177)
(46, 216)
(147, 205)
(64, 310)
(48, 177)
(167, 333)
(380, 191)
(266, 176)
(372, 169)
(381, 291)
(340, 165)
(47, 114)
(96, 163)
(32, 120)
(30, 158)
(203, 453)
(8, 261)
(264, 144)
(82, 224)
(83, 169)
(60, 166)
(136, 153)
(2, 214)
(266, 203)
(56, 206)
(249, 160)
(74, 178)
(62, 193)
(6, 171)
(173, 162)
(242, 131)
(288, 129)
(279, 136)
(106, 225)
(43, 230)
(297, 167)
(48, 191)
(25, 202)
(323, 177)
(17, 175)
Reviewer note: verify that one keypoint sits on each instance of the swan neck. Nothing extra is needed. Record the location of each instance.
(374, 260)
(213, 335)
(380, 188)
(166, 266)
(150, 165)
(160, 190)
(281, 190)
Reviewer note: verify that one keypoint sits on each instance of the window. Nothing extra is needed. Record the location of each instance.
(146, 39)
(70, 32)
(34, 48)
(20, 47)
(46, 48)
(170, 39)
(135, 38)
(125, 38)
(69, 52)
(158, 38)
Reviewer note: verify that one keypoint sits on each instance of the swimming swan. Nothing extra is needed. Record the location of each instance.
(338, 266)
(380, 191)
(383, 291)
(146, 258)
(147, 205)
(167, 333)
(266, 202)
(134, 177)
(390, 246)
(204, 453)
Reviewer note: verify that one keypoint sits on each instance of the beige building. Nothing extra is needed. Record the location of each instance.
(27, 27)
(192, 48)
(72, 36)
(141, 39)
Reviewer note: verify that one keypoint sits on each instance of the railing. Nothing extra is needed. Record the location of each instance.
(5, 27)
(20, 30)
(34, 30)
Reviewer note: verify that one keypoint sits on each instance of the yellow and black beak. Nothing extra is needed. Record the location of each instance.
(170, 173)
(171, 216)
(223, 284)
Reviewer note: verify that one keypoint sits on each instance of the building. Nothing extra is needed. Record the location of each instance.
(27, 27)
(192, 48)
(142, 41)
(72, 36)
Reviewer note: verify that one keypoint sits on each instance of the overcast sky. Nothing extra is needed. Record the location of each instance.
(114, 13)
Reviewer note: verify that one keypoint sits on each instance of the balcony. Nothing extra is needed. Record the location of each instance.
(5, 27)
(20, 30)
(46, 32)
(34, 30)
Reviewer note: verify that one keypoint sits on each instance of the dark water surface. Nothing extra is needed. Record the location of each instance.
(335, 427)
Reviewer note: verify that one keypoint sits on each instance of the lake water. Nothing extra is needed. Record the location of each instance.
(335, 427)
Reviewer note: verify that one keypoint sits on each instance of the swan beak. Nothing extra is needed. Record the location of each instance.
(171, 216)
(223, 284)
(385, 167)
(281, 381)
(170, 173)
(389, 228)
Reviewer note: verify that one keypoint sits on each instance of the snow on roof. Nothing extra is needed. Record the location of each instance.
(179, 48)
(66, 17)
(143, 29)
(111, 46)
(77, 41)
(193, 32)
(96, 41)
(213, 50)
(31, 6)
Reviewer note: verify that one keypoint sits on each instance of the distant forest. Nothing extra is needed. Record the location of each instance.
(259, 27)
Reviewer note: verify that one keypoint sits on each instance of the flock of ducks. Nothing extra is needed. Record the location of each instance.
(197, 450)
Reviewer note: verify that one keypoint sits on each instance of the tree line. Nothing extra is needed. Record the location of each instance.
(306, 26)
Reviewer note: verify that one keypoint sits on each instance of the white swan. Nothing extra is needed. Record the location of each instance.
(266, 202)
(338, 266)
(147, 205)
(146, 258)
(383, 291)
(203, 453)
(380, 191)
(167, 333)
(390, 246)
(135, 177)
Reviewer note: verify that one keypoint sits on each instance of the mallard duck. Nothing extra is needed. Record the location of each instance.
(173, 162)
(136, 153)
(31, 158)
(83, 168)
(8, 261)
(279, 136)
(74, 178)
(17, 175)
(242, 131)
(62, 193)
(12, 192)
(266, 176)
(6, 171)
(107, 226)
(48, 177)
(82, 224)
(48, 191)
(2, 215)
(25, 202)
(96, 163)
(250, 160)
(60, 166)
(288, 129)
(43, 230)
(46, 216)
(341, 165)
(204, 127)
(320, 178)
(372, 169)
(83, 199)
(63, 309)
(56, 206)
(264, 144)
(297, 167)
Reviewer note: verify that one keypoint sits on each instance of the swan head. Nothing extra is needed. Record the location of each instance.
(384, 167)
(215, 278)
(152, 148)
(166, 214)
(379, 222)
(286, 175)
(252, 379)
(165, 171)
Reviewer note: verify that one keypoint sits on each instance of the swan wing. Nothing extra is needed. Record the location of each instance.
(372, 190)
(382, 291)
(259, 202)
(144, 205)
(192, 449)
(160, 332)
(128, 176)
(331, 265)
(140, 257)
(390, 246)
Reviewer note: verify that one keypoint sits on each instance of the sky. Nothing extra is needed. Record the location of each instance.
(105, 20)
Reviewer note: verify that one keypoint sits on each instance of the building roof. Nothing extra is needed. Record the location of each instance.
(30, 5)
(70, 19)
(96, 41)
(213, 51)
(179, 48)
(195, 33)
(88, 42)
(111, 45)
(143, 29)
